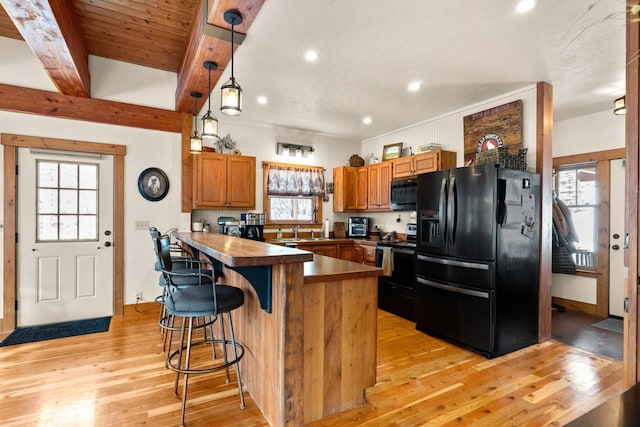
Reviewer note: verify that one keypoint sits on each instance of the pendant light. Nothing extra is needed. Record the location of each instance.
(209, 121)
(195, 141)
(231, 103)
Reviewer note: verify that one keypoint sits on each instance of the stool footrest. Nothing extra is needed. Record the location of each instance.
(171, 364)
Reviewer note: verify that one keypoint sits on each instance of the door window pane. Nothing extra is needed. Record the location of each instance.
(88, 177)
(47, 201)
(64, 211)
(577, 187)
(68, 201)
(68, 175)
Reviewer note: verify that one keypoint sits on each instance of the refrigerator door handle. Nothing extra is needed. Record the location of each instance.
(455, 289)
(442, 207)
(451, 211)
(454, 263)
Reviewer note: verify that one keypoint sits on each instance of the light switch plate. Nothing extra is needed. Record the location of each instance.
(142, 225)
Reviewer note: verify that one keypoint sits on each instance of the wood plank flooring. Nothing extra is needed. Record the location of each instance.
(118, 378)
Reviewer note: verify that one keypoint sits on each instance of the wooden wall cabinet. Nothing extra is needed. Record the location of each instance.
(224, 181)
(379, 186)
(428, 161)
(364, 188)
(344, 189)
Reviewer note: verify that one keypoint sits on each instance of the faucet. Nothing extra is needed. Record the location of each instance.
(295, 232)
(311, 234)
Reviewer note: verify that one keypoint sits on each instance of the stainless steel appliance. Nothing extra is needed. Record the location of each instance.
(233, 228)
(251, 218)
(222, 220)
(396, 293)
(252, 226)
(403, 194)
(358, 226)
(477, 257)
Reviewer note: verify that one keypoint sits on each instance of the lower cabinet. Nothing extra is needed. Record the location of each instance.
(326, 250)
(364, 252)
(342, 249)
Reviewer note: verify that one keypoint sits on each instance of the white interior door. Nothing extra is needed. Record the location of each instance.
(65, 223)
(617, 270)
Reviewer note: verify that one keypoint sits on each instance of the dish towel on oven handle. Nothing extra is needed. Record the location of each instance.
(387, 261)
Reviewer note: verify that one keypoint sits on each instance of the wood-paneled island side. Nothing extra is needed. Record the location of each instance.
(309, 334)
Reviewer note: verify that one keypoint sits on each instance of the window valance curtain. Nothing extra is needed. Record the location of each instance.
(294, 180)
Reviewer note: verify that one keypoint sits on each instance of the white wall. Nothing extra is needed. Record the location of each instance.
(585, 134)
(448, 130)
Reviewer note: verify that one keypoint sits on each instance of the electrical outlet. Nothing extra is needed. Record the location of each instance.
(142, 225)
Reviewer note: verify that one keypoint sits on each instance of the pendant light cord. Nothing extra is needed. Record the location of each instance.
(233, 24)
(209, 95)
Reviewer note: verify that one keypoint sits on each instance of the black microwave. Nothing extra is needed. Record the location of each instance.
(403, 194)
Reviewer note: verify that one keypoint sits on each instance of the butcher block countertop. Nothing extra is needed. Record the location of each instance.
(236, 252)
(324, 268)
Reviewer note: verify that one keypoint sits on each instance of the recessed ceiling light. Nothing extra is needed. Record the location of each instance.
(414, 86)
(311, 55)
(366, 120)
(524, 6)
(262, 99)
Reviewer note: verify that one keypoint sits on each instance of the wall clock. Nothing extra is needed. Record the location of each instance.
(153, 184)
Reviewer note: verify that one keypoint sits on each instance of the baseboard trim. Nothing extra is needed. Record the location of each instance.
(141, 308)
(582, 307)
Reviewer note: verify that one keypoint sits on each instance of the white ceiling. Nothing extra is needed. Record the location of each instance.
(463, 51)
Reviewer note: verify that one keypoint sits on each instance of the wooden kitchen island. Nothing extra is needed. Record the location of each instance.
(308, 326)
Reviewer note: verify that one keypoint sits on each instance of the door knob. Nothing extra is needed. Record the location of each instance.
(615, 247)
(107, 244)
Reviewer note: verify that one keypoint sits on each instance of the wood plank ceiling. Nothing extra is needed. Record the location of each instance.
(162, 34)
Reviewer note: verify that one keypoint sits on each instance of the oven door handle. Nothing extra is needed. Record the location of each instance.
(455, 289)
(403, 251)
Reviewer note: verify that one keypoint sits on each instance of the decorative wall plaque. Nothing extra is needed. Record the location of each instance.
(496, 127)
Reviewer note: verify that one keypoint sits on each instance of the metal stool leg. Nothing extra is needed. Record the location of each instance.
(235, 356)
(186, 373)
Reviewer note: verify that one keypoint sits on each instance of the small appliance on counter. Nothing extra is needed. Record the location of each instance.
(252, 226)
(358, 226)
(222, 221)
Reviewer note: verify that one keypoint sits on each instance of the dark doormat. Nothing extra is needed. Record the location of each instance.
(610, 324)
(57, 330)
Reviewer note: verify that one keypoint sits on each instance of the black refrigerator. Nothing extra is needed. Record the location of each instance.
(477, 257)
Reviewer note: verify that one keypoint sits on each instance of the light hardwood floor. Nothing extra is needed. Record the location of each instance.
(118, 378)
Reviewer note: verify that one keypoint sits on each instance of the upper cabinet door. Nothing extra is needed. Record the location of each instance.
(241, 182)
(210, 181)
(345, 182)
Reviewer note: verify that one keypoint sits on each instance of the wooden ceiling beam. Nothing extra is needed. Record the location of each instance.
(52, 31)
(192, 76)
(44, 103)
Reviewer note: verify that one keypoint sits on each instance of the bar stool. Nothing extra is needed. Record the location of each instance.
(191, 303)
(183, 261)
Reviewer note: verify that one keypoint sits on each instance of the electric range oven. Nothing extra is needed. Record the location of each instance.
(396, 293)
